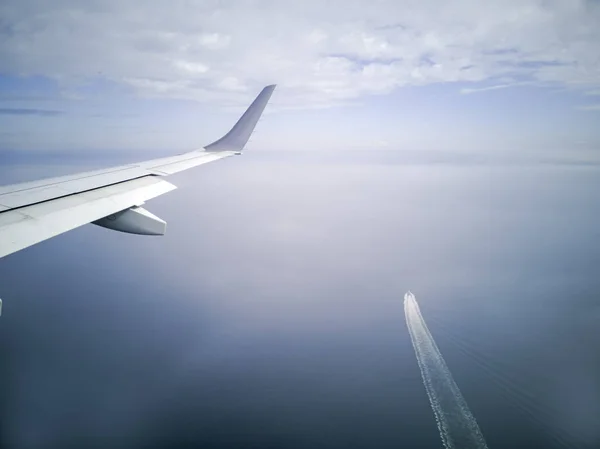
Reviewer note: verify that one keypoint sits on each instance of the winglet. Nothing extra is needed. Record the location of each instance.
(235, 139)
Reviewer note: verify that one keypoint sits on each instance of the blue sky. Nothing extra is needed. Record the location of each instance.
(506, 77)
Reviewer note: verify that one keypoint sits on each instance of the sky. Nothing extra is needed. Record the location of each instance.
(516, 76)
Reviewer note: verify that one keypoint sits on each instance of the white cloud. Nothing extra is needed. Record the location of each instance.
(317, 36)
(214, 41)
(473, 90)
(191, 67)
(231, 83)
(589, 107)
(320, 53)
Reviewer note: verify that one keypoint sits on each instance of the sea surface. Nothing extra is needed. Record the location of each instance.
(271, 314)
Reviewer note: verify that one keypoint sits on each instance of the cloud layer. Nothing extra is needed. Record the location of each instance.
(29, 111)
(320, 53)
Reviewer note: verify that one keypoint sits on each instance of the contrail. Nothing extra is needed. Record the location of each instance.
(457, 425)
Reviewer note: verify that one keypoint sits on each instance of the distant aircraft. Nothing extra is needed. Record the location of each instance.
(36, 211)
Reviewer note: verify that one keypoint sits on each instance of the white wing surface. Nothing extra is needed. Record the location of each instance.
(35, 211)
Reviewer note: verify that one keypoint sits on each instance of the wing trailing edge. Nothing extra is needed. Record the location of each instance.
(36, 211)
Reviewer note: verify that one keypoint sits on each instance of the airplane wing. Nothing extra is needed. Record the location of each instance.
(35, 211)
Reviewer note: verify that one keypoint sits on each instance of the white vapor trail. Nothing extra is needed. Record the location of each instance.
(456, 423)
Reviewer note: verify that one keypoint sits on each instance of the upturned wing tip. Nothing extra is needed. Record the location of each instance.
(238, 136)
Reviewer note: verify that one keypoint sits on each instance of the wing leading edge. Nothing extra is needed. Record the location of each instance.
(36, 211)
